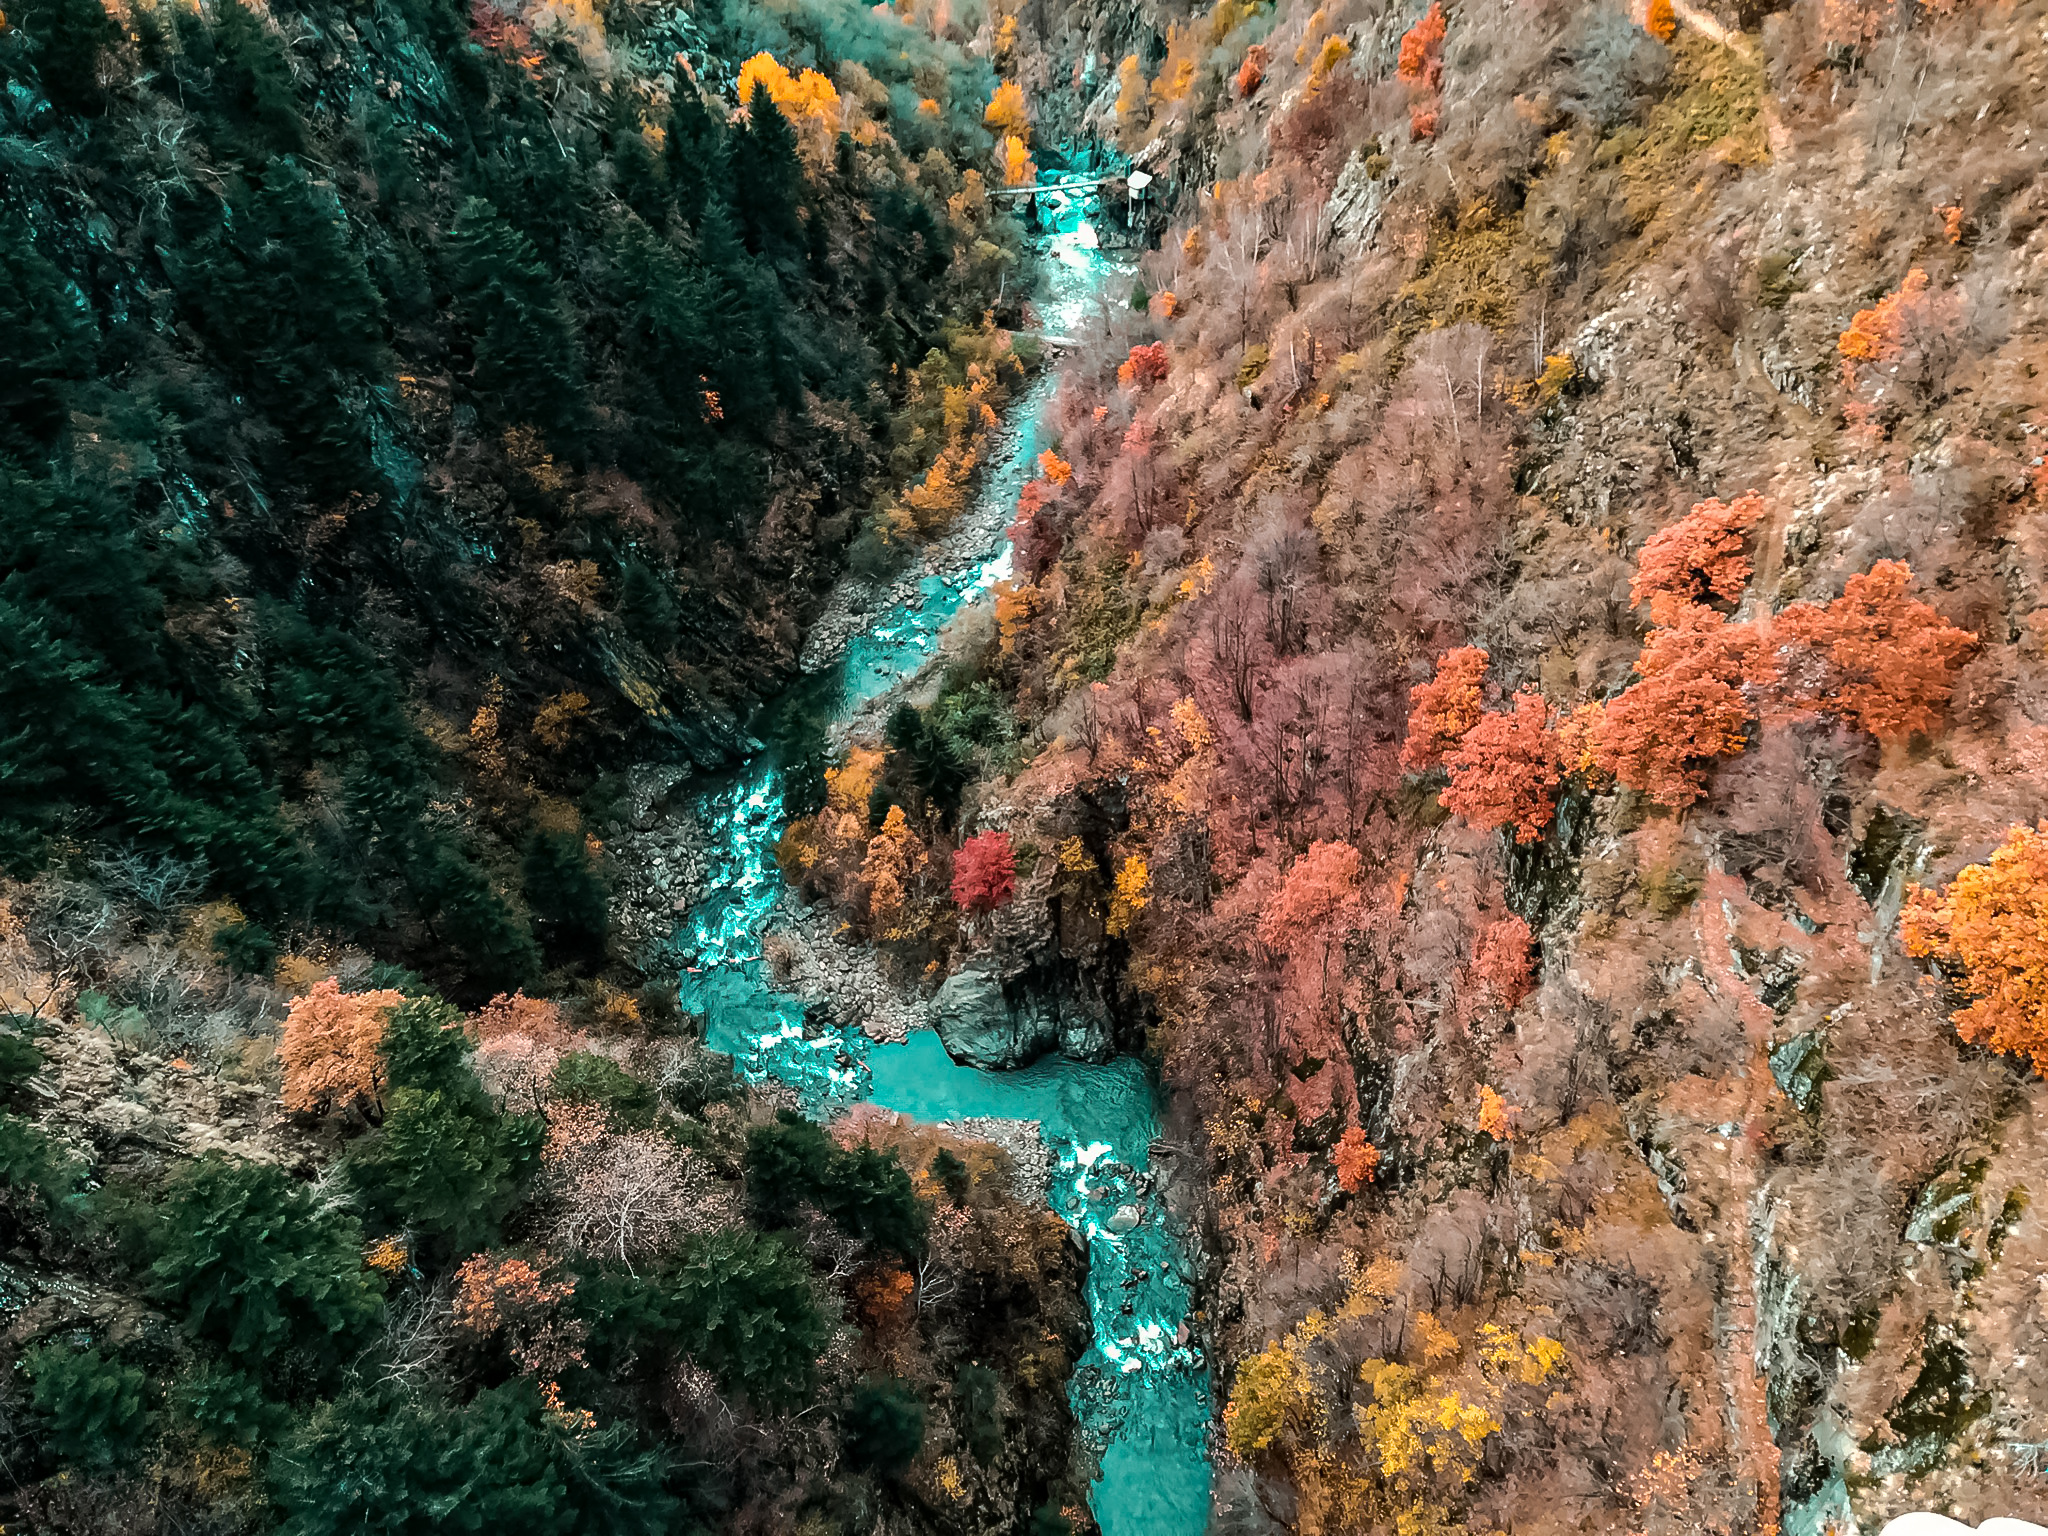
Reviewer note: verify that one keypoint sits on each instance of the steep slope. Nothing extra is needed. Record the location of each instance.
(413, 412)
(1548, 566)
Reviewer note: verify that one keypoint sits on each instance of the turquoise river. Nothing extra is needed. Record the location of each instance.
(1141, 1392)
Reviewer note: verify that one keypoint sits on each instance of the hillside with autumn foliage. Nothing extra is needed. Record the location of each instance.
(1519, 690)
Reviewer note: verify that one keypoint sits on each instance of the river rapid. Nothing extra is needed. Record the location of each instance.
(1140, 1394)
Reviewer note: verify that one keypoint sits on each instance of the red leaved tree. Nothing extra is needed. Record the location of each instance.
(1421, 65)
(1688, 708)
(1445, 708)
(1146, 365)
(984, 873)
(1500, 959)
(1884, 660)
(1505, 771)
(1700, 556)
(1317, 897)
(1252, 72)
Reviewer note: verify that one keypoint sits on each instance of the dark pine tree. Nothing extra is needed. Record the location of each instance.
(767, 180)
(252, 85)
(73, 39)
(47, 343)
(529, 368)
(696, 156)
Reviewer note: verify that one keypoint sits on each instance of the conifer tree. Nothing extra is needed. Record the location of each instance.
(445, 1165)
(567, 899)
(647, 607)
(73, 39)
(47, 341)
(528, 365)
(696, 154)
(767, 180)
(253, 87)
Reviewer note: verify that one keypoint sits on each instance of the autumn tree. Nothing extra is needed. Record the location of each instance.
(1688, 708)
(1318, 895)
(1420, 66)
(1421, 58)
(331, 1046)
(1006, 112)
(1505, 770)
(1251, 74)
(808, 99)
(1500, 959)
(1146, 365)
(1907, 337)
(1884, 660)
(1356, 1160)
(625, 1194)
(1496, 1115)
(1445, 708)
(984, 872)
(1988, 931)
(1700, 557)
(522, 1305)
(895, 858)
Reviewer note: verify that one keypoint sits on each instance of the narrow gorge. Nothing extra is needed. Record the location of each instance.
(1000, 767)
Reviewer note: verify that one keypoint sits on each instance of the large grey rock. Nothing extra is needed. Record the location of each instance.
(996, 1022)
(980, 1029)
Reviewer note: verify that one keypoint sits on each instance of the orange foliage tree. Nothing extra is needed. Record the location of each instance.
(1252, 72)
(1145, 366)
(518, 1014)
(1885, 660)
(894, 859)
(1505, 770)
(1421, 65)
(1989, 930)
(1496, 1115)
(1688, 708)
(808, 99)
(1356, 1158)
(1903, 342)
(1006, 112)
(1317, 896)
(1019, 169)
(1501, 959)
(331, 1047)
(1445, 708)
(523, 1303)
(1422, 45)
(1700, 556)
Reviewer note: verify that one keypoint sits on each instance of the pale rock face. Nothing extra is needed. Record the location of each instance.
(1941, 1525)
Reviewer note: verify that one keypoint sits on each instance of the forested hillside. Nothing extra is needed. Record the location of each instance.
(1521, 687)
(412, 411)
(413, 418)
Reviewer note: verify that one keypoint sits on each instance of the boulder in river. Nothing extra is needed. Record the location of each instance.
(979, 1027)
(993, 1022)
